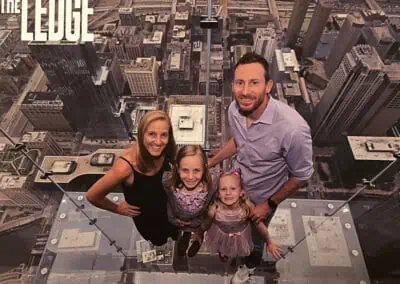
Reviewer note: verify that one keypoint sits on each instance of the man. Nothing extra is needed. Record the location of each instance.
(272, 143)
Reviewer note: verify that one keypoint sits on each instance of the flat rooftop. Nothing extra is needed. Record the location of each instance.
(370, 148)
(77, 252)
(67, 168)
(188, 124)
(41, 97)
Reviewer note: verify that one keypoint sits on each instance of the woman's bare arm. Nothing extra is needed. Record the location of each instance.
(97, 193)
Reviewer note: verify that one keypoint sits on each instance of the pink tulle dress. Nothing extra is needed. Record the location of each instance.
(230, 233)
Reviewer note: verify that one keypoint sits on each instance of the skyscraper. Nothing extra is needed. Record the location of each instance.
(381, 38)
(71, 66)
(296, 21)
(317, 24)
(348, 95)
(347, 38)
(385, 111)
(265, 42)
(142, 77)
(46, 111)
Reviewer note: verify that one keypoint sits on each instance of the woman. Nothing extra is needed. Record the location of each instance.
(140, 170)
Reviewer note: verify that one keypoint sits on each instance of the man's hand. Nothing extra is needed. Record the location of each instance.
(261, 212)
(126, 209)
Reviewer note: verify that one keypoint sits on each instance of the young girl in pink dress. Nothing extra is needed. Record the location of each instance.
(230, 218)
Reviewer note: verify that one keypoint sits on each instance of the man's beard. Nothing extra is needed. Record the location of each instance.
(249, 112)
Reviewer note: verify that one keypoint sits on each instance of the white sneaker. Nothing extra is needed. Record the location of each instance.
(242, 274)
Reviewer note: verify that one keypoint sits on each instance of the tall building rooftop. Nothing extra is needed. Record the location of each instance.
(368, 56)
(154, 38)
(374, 148)
(286, 60)
(141, 64)
(41, 98)
(188, 124)
(8, 181)
(67, 168)
(181, 16)
(34, 136)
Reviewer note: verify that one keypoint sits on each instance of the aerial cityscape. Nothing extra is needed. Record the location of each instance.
(69, 109)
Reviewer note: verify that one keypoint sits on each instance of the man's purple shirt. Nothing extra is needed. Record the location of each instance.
(275, 147)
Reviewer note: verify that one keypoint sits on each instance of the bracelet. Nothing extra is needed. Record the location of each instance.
(272, 204)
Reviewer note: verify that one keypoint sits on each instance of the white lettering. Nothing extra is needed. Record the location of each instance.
(67, 19)
(86, 11)
(39, 10)
(16, 7)
(10, 6)
(75, 34)
(25, 35)
(53, 35)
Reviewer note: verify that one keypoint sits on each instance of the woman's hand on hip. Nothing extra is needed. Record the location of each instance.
(126, 209)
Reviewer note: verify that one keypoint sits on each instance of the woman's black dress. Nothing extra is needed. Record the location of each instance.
(148, 194)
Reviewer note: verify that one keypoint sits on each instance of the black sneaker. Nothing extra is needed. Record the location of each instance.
(194, 248)
(183, 243)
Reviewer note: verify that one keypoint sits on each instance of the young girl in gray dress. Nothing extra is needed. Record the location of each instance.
(189, 188)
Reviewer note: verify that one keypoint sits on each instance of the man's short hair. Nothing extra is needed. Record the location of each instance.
(252, 57)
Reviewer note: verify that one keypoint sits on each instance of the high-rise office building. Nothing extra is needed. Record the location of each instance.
(43, 141)
(348, 36)
(265, 42)
(46, 111)
(360, 157)
(296, 21)
(126, 17)
(394, 27)
(216, 74)
(127, 42)
(142, 77)
(177, 74)
(316, 27)
(381, 38)
(348, 95)
(385, 110)
(71, 65)
(15, 188)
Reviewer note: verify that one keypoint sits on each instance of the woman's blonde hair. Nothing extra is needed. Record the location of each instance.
(145, 159)
(187, 151)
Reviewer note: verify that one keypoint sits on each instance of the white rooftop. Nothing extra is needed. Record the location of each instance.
(12, 181)
(287, 61)
(34, 136)
(188, 124)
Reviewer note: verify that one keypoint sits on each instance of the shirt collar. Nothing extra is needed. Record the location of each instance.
(267, 116)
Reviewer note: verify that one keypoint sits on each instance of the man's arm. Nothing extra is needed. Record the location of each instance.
(263, 210)
(300, 166)
(227, 151)
(288, 188)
